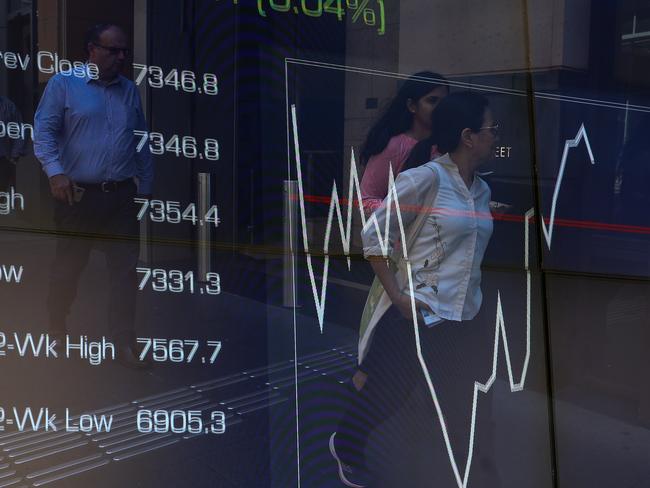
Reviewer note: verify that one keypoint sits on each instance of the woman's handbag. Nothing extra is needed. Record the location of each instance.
(378, 302)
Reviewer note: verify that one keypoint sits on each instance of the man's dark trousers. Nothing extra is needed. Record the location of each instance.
(105, 220)
(7, 174)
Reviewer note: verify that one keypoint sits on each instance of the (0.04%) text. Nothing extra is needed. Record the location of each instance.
(372, 12)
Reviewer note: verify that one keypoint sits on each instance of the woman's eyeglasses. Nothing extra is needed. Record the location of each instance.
(492, 128)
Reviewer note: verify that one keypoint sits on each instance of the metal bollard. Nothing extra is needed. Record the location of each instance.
(204, 241)
(290, 219)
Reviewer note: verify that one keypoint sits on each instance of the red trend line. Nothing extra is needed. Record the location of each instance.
(577, 224)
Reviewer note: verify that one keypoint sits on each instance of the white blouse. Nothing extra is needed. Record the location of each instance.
(447, 254)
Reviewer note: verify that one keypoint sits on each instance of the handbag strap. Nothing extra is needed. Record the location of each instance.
(423, 213)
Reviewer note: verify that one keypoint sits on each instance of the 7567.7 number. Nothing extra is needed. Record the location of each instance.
(176, 350)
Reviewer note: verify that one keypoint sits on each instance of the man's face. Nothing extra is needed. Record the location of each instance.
(109, 53)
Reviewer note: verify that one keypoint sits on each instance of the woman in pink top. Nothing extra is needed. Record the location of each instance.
(406, 121)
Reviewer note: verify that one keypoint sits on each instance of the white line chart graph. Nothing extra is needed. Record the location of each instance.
(500, 332)
(345, 229)
(569, 144)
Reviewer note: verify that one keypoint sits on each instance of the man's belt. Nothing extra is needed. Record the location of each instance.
(106, 186)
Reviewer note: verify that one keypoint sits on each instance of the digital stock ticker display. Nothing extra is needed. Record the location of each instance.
(324, 243)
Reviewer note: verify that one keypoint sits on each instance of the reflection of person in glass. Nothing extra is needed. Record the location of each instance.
(84, 140)
(10, 149)
(633, 201)
(406, 121)
(446, 202)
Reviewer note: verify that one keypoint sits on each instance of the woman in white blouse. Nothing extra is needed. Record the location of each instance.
(445, 255)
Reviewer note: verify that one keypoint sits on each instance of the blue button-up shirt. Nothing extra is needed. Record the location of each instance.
(84, 129)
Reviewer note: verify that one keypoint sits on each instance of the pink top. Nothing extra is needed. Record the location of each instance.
(374, 183)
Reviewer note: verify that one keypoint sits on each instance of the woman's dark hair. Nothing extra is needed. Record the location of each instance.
(454, 113)
(397, 119)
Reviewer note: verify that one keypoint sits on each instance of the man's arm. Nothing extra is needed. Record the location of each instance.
(48, 124)
(144, 163)
(18, 146)
(410, 196)
(387, 278)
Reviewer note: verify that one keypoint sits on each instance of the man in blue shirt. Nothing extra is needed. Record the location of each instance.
(83, 136)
